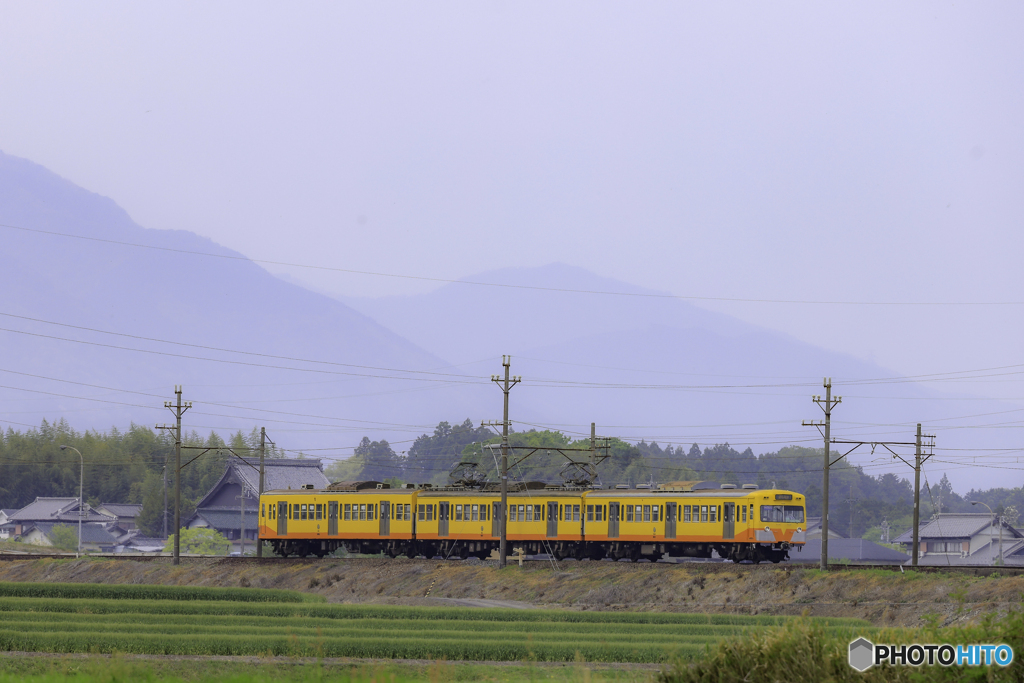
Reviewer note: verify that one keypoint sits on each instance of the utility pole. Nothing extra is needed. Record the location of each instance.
(917, 496)
(241, 550)
(178, 409)
(505, 385)
(826, 405)
(165, 500)
(263, 452)
(851, 500)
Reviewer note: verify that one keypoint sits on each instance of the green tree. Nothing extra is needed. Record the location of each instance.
(64, 537)
(200, 542)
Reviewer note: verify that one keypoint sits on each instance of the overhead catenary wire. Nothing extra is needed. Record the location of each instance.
(643, 295)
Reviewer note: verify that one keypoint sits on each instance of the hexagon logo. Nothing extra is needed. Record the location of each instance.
(862, 654)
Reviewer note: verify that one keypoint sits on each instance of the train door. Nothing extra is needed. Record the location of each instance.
(670, 520)
(385, 518)
(613, 520)
(282, 518)
(496, 519)
(729, 520)
(442, 519)
(552, 519)
(332, 518)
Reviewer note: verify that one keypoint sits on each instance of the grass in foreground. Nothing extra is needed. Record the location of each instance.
(806, 651)
(101, 669)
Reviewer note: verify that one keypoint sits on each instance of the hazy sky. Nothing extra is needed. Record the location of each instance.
(865, 152)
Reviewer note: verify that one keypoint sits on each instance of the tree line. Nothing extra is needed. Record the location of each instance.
(128, 467)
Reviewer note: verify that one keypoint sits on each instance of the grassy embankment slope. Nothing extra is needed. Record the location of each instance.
(884, 598)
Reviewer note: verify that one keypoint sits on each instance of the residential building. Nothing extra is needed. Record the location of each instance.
(965, 538)
(848, 550)
(238, 489)
(814, 530)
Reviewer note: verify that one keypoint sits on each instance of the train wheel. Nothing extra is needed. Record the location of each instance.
(303, 550)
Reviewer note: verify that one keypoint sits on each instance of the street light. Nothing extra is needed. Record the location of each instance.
(991, 512)
(81, 503)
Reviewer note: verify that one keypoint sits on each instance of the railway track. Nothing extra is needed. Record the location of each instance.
(705, 566)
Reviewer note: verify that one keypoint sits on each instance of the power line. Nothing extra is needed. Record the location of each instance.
(643, 295)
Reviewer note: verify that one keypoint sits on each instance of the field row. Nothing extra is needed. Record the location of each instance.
(76, 591)
(48, 618)
(431, 614)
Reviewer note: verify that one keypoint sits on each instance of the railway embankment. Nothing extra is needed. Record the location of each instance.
(884, 597)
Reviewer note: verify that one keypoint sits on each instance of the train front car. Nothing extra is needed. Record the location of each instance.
(780, 525)
(694, 519)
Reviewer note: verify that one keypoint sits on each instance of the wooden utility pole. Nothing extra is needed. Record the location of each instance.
(178, 409)
(505, 385)
(259, 501)
(826, 405)
(917, 496)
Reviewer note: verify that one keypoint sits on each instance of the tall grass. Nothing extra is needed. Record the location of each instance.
(804, 650)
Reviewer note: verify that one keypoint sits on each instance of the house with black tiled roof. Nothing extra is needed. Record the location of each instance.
(233, 502)
(965, 538)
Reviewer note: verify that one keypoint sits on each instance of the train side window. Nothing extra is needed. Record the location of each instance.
(703, 513)
(714, 517)
(302, 511)
(319, 511)
(600, 513)
(590, 513)
(575, 513)
(686, 513)
(744, 511)
(522, 514)
(529, 513)
(430, 513)
(347, 515)
(629, 513)
(655, 513)
(647, 513)
(362, 511)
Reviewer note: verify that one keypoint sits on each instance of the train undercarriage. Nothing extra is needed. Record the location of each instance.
(578, 550)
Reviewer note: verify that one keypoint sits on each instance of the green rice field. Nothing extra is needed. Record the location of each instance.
(85, 618)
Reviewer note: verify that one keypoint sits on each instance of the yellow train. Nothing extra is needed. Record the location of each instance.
(684, 519)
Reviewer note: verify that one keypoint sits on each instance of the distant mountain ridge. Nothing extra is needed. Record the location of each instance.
(321, 373)
(213, 302)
